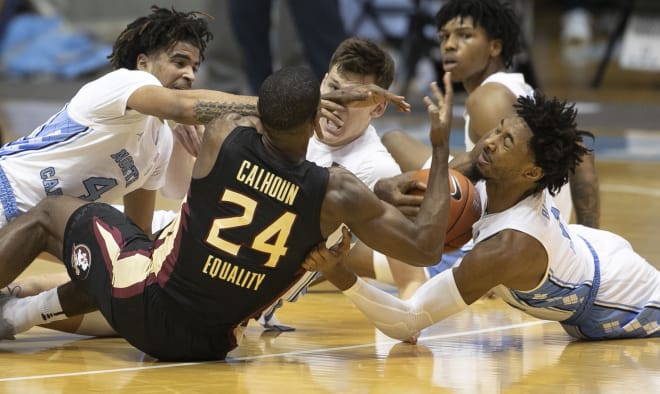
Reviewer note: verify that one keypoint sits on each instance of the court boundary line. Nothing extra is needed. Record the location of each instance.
(263, 356)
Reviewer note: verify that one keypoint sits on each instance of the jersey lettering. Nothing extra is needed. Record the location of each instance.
(271, 240)
(127, 166)
(96, 186)
(50, 182)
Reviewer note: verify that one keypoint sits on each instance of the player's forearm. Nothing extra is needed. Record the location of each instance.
(340, 277)
(437, 299)
(214, 104)
(585, 193)
(434, 211)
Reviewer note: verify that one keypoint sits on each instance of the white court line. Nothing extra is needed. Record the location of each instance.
(248, 358)
(645, 191)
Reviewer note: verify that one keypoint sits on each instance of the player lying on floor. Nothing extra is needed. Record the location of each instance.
(589, 280)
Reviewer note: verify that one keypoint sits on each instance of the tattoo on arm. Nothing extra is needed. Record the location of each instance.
(205, 111)
(585, 194)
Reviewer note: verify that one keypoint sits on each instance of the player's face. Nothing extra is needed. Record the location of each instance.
(356, 119)
(506, 154)
(466, 50)
(176, 67)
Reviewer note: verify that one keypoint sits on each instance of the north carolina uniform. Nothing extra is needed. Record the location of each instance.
(515, 82)
(366, 157)
(122, 149)
(595, 284)
(236, 247)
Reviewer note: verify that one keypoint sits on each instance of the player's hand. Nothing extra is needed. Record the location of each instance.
(439, 109)
(366, 96)
(189, 136)
(398, 191)
(323, 259)
(328, 110)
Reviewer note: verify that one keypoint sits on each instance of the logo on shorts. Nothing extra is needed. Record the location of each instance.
(81, 260)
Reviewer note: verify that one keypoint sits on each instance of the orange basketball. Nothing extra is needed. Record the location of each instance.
(464, 208)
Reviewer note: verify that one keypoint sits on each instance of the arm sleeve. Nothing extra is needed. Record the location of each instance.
(435, 300)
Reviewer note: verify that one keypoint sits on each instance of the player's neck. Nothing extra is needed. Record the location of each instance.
(471, 83)
(502, 196)
(290, 152)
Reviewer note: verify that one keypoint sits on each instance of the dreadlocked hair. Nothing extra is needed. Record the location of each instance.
(556, 142)
(496, 17)
(160, 30)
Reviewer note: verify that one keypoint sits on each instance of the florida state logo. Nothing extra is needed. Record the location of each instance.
(81, 260)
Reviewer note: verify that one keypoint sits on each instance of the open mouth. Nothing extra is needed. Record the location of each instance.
(332, 127)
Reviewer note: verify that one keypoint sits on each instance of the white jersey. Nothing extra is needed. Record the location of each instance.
(595, 284)
(369, 160)
(366, 157)
(94, 148)
(515, 82)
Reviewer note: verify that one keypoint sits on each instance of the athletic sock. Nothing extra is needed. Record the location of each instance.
(25, 313)
(382, 270)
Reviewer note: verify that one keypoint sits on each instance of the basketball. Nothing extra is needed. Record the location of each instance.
(464, 208)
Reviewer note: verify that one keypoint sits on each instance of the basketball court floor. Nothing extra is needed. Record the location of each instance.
(489, 348)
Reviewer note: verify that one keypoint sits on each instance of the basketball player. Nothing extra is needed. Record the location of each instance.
(111, 141)
(589, 280)
(478, 39)
(254, 209)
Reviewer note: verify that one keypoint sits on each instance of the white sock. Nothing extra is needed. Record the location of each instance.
(25, 313)
(382, 268)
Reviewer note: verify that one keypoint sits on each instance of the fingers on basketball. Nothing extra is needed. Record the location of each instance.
(464, 208)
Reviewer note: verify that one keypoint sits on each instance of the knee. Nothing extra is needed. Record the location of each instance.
(392, 138)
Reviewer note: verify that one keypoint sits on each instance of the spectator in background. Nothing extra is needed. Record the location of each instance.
(576, 22)
(318, 24)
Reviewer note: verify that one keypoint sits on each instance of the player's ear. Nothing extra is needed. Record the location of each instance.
(495, 48)
(378, 110)
(534, 173)
(142, 62)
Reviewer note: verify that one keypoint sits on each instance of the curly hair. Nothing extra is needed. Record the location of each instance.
(160, 30)
(288, 98)
(556, 143)
(496, 17)
(364, 57)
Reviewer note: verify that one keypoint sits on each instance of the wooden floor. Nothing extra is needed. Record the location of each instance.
(490, 348)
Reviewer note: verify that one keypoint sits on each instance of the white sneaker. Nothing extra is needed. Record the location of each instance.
(576, 26)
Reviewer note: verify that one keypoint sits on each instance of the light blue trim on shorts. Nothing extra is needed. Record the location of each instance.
(7, 198)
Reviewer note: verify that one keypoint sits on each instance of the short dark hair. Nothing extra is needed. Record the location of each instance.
(556, 143)
(496, 17)
(364, 57)
(288, 98)
(160, 30)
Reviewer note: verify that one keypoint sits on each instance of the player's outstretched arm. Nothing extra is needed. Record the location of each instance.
(437, 299)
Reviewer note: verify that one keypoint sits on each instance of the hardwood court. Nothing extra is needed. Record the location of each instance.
(489, 348)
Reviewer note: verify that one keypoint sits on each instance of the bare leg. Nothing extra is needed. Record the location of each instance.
(406, 277)
(21, 241)
(39, 230)
(411, 154)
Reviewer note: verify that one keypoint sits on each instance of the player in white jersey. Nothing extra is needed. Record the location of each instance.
(478, 41)
(111, 139)
(589, 280)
